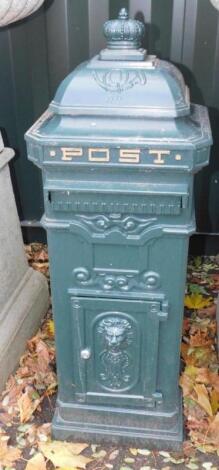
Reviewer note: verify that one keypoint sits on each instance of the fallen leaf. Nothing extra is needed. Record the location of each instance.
(133, 451)
(197, 261)
(94, 447)
(164, 454)
(113, 455)
(210, 311)
(213, 431)
(207, 465)
(188, 449)
(42, 256)
(43, 358)
(66, 468)
(215, 278)
(214, 380)
(144, 452)
(99, 455)
(64, 454)
(50, 328)
(202, 375)
(125, 468)
(197, 301)
(27, 406)
(214, 399)
(129, 460)
(187, 384)
(203, 398)
(200, 338)
(196, 289)
(177, 461)
(36, 463)
(44, 432)
(8, 454)
(192, 466)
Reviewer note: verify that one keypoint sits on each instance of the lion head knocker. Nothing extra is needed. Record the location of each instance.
(116, 332)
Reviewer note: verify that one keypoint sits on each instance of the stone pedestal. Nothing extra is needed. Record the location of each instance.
(24, 294)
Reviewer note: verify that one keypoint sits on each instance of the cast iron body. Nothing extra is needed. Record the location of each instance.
(119, 147)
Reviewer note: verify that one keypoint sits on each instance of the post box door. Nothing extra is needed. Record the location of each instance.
(115, 346)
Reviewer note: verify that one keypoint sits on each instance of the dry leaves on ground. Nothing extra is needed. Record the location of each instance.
(37, 255)
(8, 454)
(200, 379)
(34, 379)
(37, 462)
(65, 454)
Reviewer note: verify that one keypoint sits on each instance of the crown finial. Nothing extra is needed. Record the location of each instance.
(123, 33)
(123, 14)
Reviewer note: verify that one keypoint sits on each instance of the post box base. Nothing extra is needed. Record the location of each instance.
(152, 430)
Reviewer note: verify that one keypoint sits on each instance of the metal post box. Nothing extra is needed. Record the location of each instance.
(118, 148)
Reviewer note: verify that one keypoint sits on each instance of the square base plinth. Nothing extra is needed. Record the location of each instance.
(140, 428)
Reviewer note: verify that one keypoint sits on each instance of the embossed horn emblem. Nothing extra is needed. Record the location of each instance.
(119, 80)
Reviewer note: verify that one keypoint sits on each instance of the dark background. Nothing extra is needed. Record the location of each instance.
(37, 53)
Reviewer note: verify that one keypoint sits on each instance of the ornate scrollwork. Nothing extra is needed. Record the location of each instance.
(116, 335)
(82, 275)
(123, 282)
(127, 224)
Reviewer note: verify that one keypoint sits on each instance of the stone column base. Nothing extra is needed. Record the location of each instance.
(20, 319)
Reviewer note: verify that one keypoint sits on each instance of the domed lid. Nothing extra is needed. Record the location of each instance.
(123, 79)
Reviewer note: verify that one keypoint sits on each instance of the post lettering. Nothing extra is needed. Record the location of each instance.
(159, 153)
(129, 156)
(69, 153)
(98, 155)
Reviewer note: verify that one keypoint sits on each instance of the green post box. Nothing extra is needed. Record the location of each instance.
(119, 147)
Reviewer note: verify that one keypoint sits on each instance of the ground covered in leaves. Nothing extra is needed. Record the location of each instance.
(27, 404)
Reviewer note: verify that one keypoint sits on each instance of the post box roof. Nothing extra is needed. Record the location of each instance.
(124, 97)
(153, 88)
(123, 80)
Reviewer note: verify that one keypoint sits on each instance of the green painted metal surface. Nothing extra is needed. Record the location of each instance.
(119, 147)
(34, 59)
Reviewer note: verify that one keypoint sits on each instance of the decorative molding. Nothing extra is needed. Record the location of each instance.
(124, 224)
(120, 281)
(164, 205)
